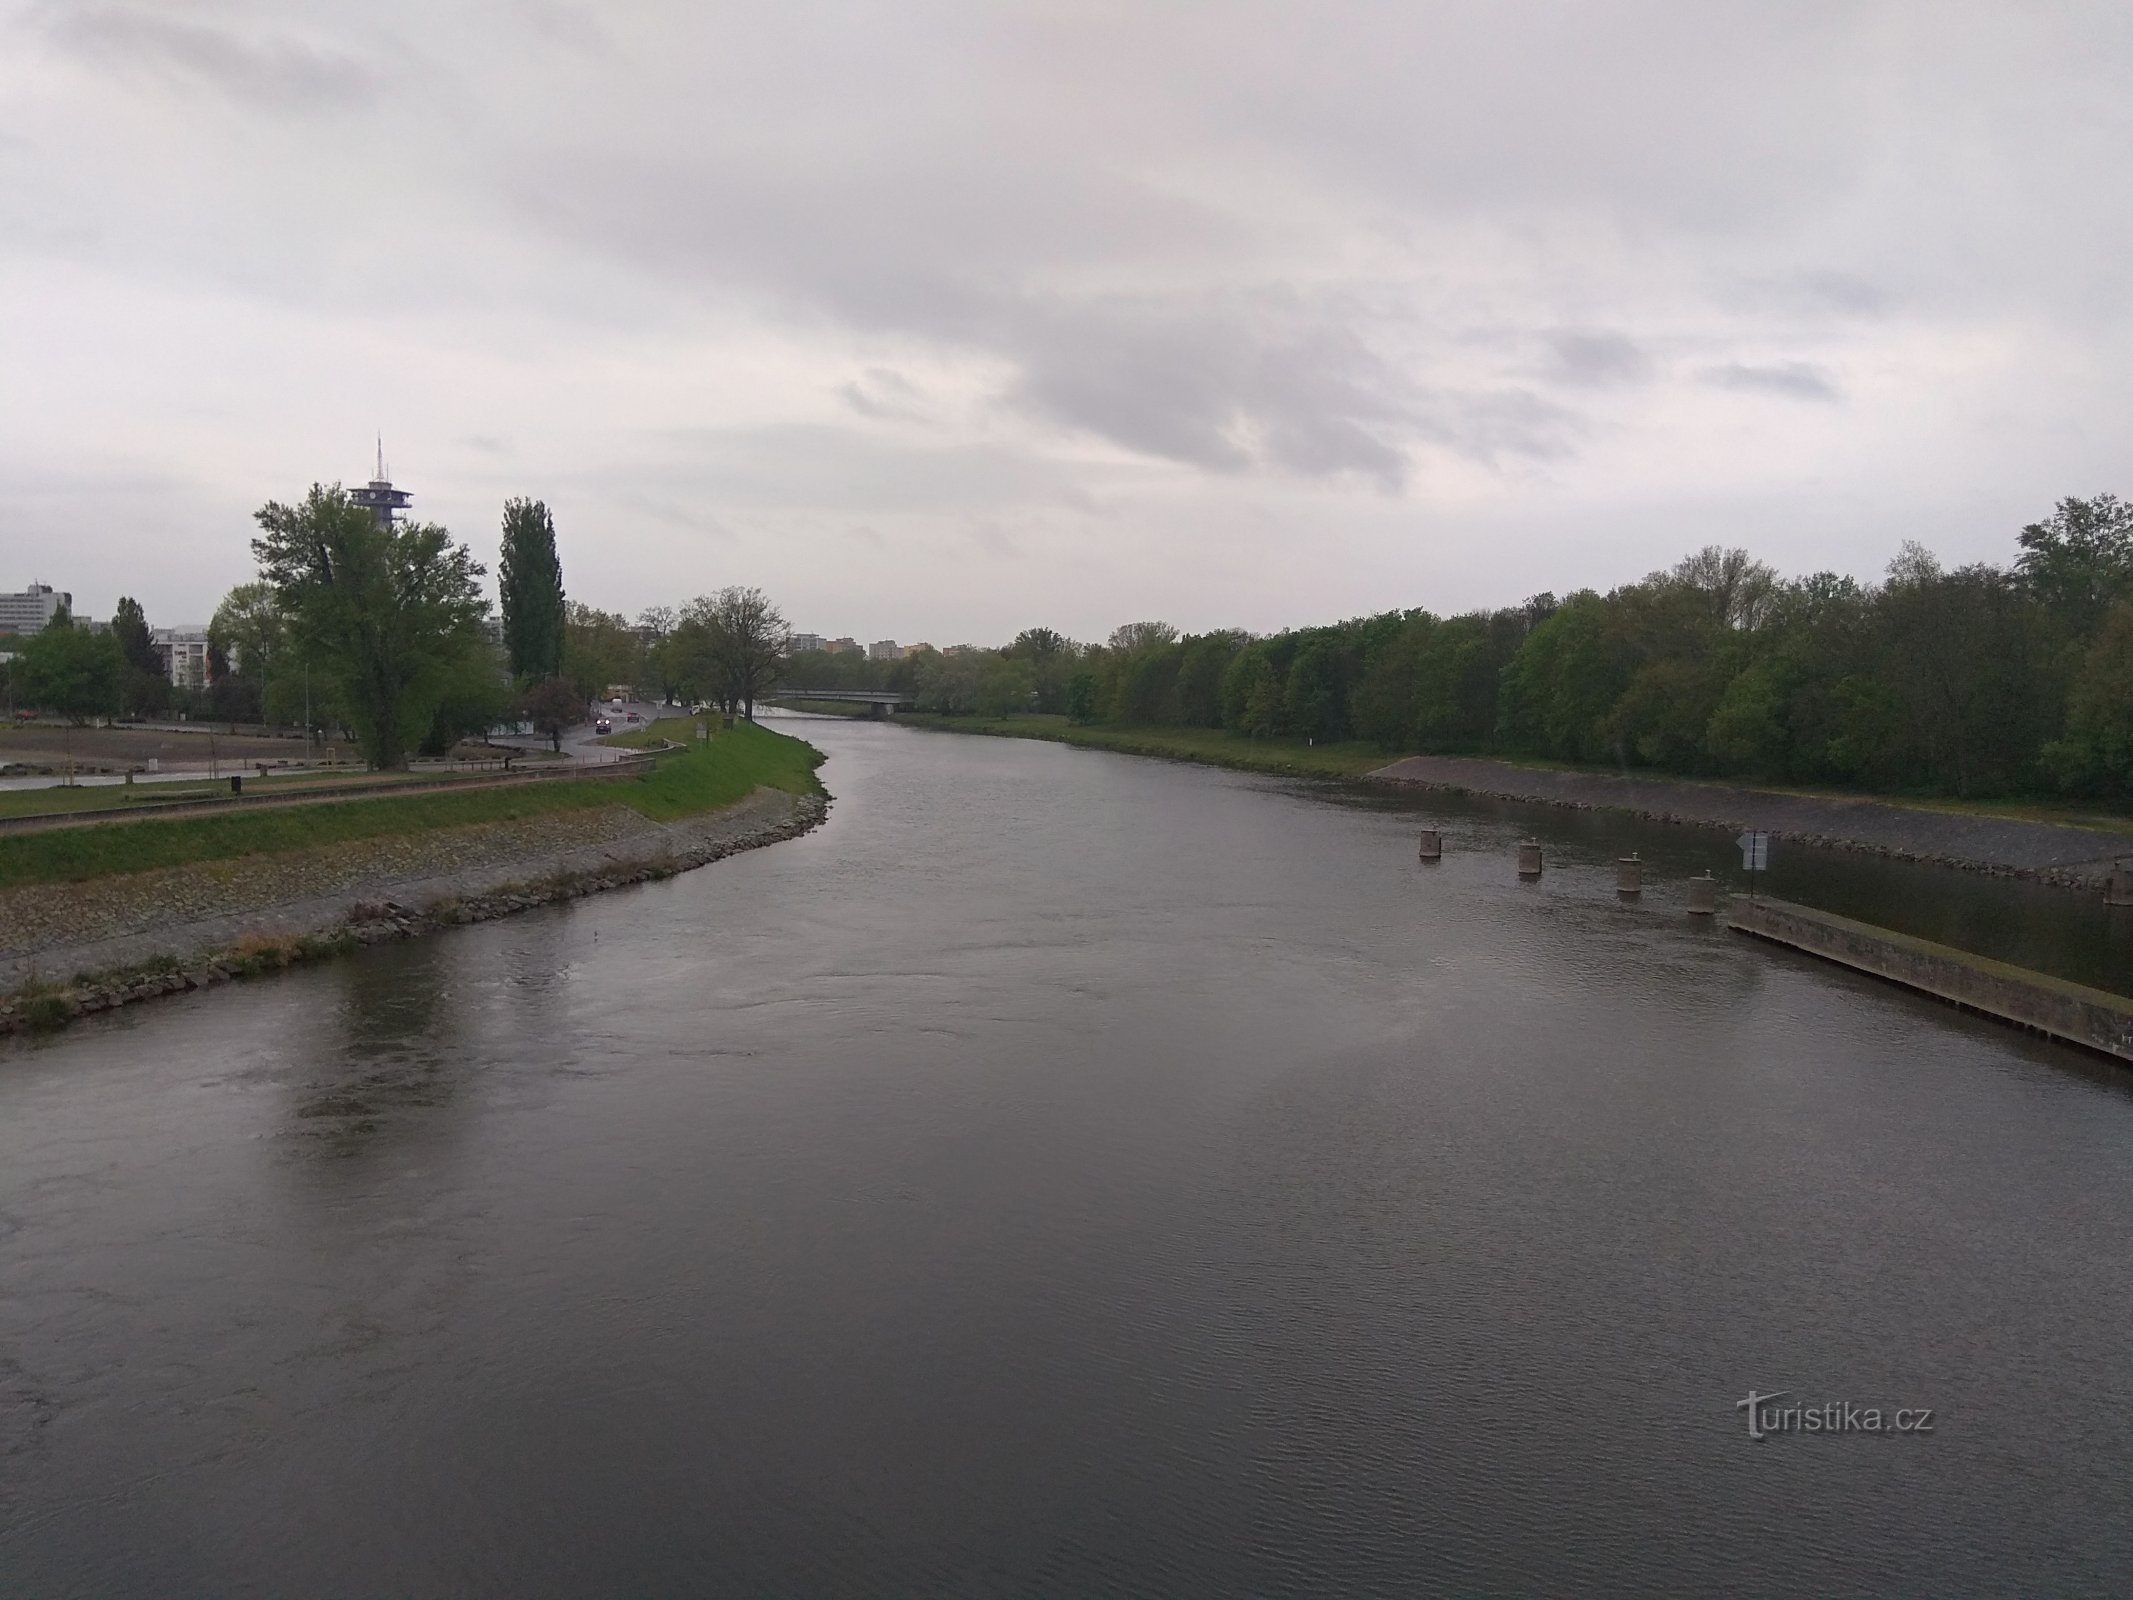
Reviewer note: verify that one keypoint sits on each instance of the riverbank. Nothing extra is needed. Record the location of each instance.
(2006, 846)
(2001, 843)
(1206, 746)
(2072, 1013)
(126, 936)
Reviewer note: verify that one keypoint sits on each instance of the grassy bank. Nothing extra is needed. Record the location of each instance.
(1354, 759)
(684, 783)
(824, 708)
(123, 797)
(1209, 746)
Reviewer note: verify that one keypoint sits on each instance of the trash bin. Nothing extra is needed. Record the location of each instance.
(236, 783)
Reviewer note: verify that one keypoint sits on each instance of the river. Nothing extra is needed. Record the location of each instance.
(1067, 1174)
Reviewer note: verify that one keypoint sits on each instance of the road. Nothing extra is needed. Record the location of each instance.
(582, 742)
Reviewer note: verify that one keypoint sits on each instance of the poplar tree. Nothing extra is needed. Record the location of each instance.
(529, 578)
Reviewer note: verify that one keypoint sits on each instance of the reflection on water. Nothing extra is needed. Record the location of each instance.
(1065, 1174)
(386, 1049)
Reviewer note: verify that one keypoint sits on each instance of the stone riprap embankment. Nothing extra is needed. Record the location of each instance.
(66, 949)
(2078, 858)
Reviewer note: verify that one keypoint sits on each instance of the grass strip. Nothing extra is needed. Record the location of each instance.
(1355, 759)
(703, 777)
(1209, 746)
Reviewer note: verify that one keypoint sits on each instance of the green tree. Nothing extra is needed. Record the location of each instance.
(70, 670)
(145, 686)
(1053, 659)
(1970, 656)
(553, 707)
(1006, 685)
(529, 580)
(1746, 732)
(386, 613)
(1312, 701)
(1202, 665)
(663, 662)
(739, 642)
(1556, 693)
(2079, 560)
(2096, 753)
(1081, 697)
(949, 685)
(477, 696)
(130, 627)
(599, 650)
(1264, 703)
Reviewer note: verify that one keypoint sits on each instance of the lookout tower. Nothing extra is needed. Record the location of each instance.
(378, 496)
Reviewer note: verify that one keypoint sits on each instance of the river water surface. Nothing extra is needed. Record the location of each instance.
(1067, 1174)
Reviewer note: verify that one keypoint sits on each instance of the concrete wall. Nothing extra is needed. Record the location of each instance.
(2069, 1011)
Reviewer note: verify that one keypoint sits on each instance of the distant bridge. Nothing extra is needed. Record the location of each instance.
(880, 701)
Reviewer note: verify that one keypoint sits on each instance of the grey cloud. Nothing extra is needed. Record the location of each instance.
(674, 514)
(1598, 358)
(1224, 383)
(884, 395)
(1268, 378)
(808, 467)
(1260, 253)
(276, 72)
(1844, 292)
(572, 27)
(1793, 380)
(1492, 426)
(1820, 295)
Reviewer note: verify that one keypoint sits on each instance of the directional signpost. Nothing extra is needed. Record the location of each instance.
(1754, 855)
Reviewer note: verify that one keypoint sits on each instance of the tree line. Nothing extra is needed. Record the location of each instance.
(380, 629)
(1978, 680)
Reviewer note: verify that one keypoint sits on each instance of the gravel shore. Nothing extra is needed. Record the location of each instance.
(189, 918)
(2078, 858)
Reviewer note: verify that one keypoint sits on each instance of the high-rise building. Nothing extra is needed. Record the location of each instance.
(184, 654)
(29, 611)
(803, 642)
(884, 650)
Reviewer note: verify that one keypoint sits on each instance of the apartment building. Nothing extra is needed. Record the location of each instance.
(183, 652)
(28, 612)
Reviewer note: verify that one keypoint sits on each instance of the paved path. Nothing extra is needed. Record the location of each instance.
(2077, 857)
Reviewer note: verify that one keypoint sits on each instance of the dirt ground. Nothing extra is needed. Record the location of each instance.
(120, 748)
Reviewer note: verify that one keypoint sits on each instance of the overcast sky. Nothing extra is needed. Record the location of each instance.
(939, 320)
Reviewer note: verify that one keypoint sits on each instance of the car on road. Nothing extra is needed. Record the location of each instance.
(633, 717)
(603, 726)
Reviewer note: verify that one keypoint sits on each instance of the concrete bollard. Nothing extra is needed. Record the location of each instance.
(1629, 877)
(1432, 845)
(2118, 887)
(1529, 859)
(1703, 896)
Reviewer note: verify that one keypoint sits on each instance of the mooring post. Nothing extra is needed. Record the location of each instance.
(1432, 845)
(1529, 859)
(1629, 876)
(2118, 887)
(1703, 896)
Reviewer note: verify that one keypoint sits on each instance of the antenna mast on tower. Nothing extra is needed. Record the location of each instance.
(378, 496)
